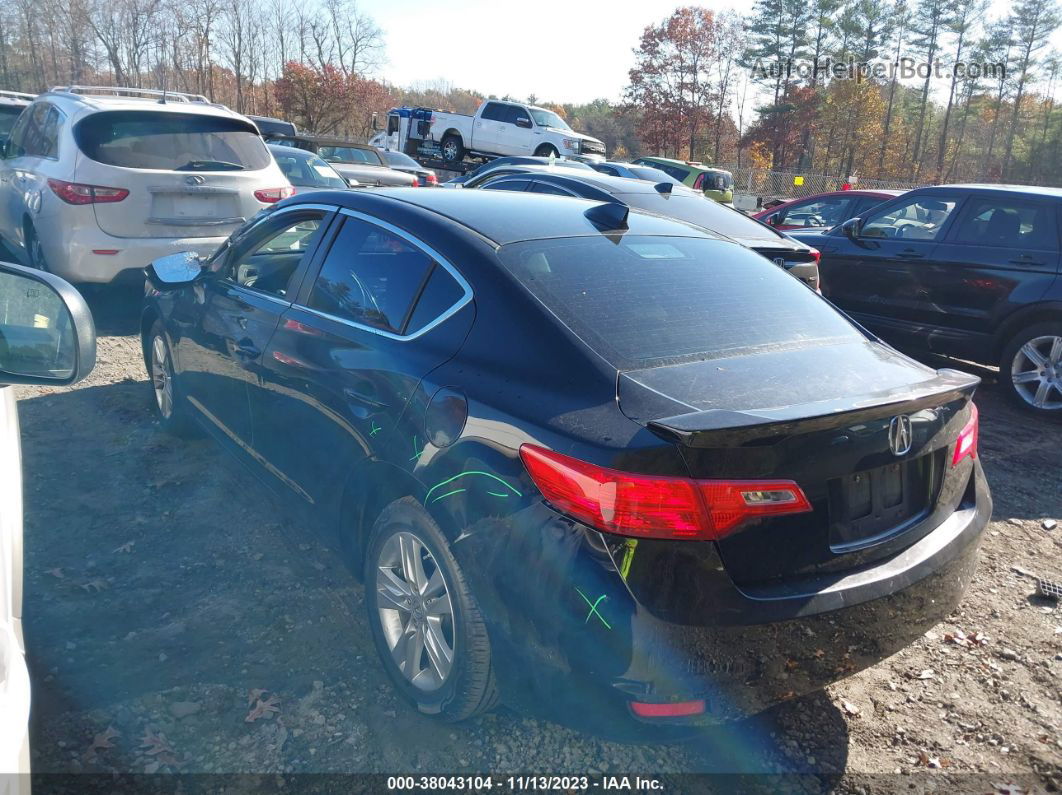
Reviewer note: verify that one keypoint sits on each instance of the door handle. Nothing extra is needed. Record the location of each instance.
(241, 321)
(245, 349)
(910, 253)
(361, 397)
(1024, 259)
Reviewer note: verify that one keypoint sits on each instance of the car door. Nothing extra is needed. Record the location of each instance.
(1001, 253)
(227, 325)
(879, 277)
(33, 143)
(486, 136)
(517, 135)
(349, 354)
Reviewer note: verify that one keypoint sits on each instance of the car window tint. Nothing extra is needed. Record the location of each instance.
(866, 203)
(370, 276)
(494, 111)
(1008, 224)
(828, 211)
(507, 184)
(440, 293)
(147, 139)
(40, 138)
(918, 218)
(642, 298)
(350, 154)
(710, 215)
(608, 170)
(8, 115)
(18, 134)
(675, 172)
(267, 256)
(545, 187)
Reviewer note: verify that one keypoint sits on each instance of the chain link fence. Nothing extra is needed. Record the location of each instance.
(754, 184)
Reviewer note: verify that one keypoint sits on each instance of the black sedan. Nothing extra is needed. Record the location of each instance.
(664, 198)
(971, 271)
(589, 461)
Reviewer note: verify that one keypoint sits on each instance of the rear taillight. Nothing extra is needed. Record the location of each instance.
(79, 193)
(676, 709)
(966, 444)
(431, 179)
(650, 506)
(273, 195)
(699, 182)
(816, 255)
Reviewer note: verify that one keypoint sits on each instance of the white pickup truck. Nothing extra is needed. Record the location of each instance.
(498, 128)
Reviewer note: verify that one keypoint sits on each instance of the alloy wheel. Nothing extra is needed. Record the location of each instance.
(450, 150)
(162, 377)
(1036, 372)
(415, 611)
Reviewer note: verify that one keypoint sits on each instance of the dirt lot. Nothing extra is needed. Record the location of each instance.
(178, 621)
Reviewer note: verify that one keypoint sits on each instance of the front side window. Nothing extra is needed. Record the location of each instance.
(917, 218)
(507, 184)
(158, 140)
(1008, 224)
(267, 257)
(40, 134)
(371, 276)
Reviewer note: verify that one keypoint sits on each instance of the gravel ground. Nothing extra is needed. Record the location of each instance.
(178, 620)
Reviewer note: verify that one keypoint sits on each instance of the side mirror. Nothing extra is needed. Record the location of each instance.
(46, 331)
(174, 270)
(774, 219)
(852, 227)
(523, 121)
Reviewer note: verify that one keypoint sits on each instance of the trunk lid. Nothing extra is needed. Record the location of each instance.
(819, 416)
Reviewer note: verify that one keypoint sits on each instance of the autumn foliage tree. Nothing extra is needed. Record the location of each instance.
(327, 101)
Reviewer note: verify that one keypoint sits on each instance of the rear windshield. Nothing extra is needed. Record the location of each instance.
(307, 172)
(707, 214)
(171, 141)
(645, 300)
(399, 159)
(349, 154)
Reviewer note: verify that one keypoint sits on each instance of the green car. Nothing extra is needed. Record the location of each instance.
(716, 183)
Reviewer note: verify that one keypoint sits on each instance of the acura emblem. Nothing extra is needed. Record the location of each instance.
(779, 261)
(900, 435)
(194, 179)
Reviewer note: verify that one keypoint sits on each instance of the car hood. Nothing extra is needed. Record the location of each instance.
(373, 175)
(574, 134)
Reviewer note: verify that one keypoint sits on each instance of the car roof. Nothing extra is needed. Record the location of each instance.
(852, 192)
(74, 101)
(280, 149)
(504, 217)
(1036, 190)
(672, 161)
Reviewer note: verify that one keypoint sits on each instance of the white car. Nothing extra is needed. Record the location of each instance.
(46, 337)
(94, 185)
(498, 128)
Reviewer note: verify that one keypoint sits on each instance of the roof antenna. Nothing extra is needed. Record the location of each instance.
(608, 215)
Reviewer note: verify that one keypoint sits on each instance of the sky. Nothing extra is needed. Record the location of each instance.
(560, 51)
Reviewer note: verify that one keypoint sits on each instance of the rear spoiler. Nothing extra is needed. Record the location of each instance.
(729, 428)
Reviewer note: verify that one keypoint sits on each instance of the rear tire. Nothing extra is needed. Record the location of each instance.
(34, 249)
(421, 610)
(1030, 369)
(168, 399)
(453, 149)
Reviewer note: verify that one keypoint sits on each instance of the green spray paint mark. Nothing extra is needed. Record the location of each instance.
(416, 454)
(497, 494)
(473, 472)
(375, 429)
(448, 494)
(593, 608)
(628, 557)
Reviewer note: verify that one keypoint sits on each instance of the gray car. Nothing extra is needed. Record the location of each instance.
(631, 171)
(363, 163)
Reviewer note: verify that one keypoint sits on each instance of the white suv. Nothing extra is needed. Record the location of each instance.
(97, 182)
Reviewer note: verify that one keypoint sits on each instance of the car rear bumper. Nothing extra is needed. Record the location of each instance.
(75, 254)
(577, 641)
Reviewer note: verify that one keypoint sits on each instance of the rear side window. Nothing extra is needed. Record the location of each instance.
(155, 140)
(370, 276)
(37, 134)
(494, 111)
(440, 293)
(545, 187)
(1008, 224)
(647, 299)
(515, 183)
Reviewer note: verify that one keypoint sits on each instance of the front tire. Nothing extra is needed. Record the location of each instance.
(425, 622)
(453, 149)
(168, 403)
(1030, 368)
(546, 150)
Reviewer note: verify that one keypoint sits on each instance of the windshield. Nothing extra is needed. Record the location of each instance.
(308, 172)
(146, 139)
(640, 299)
(350, 154)
(547, 118)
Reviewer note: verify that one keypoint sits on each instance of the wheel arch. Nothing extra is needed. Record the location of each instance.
(453, 131)
(1027, 316)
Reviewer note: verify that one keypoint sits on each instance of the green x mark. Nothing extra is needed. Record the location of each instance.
(593, 608)
(375, 429)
